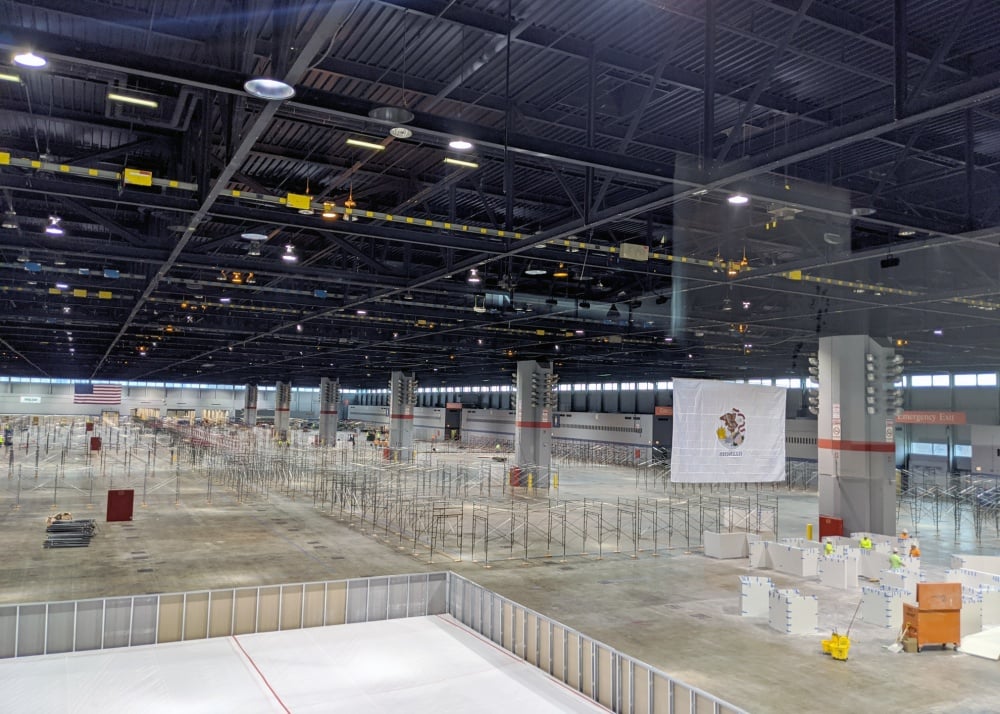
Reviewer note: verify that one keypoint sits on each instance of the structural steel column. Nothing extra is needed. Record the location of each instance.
(250, 405)
(856, 433)
(535, 400)
(402, 396)
(282, 409)
(329, 399)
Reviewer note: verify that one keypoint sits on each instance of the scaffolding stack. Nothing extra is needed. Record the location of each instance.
(69, 534)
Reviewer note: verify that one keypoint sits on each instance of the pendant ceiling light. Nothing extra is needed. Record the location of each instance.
(272, 90)
(30, 59)
(54, 229)
(392, 114)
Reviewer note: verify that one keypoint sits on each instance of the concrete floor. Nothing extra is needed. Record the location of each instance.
(678, 611)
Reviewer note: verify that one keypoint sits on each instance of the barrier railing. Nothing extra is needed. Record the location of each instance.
(602, 673)
(609, 677)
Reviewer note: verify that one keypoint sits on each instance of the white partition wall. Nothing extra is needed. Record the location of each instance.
(792, 613)
(755, 594)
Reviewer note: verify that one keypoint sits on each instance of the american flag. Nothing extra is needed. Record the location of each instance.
(97, 394)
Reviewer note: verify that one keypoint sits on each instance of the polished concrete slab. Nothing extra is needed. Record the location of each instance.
(677, 610)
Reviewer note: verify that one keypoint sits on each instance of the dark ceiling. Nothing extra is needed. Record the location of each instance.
(608, 137)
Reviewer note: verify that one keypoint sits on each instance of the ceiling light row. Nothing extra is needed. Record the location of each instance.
(34, 61)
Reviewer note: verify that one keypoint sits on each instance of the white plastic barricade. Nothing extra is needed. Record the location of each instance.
(904, 580)
(794, 559)
(871, 563)
(971, 615)
(972, 578)
(792, 613)
(838, 571)
(755, 596)
(758, 554)
(983, 563)
(726, 545)
(882, 606)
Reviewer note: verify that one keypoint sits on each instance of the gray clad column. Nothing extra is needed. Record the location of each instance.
(329, 399)
(857, 407)
(402, 398)
(535, 399)
(250, 405)
(282, 410)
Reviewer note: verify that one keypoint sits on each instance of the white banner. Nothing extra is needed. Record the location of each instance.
(727, 432)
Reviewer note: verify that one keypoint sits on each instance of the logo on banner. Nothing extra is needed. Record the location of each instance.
(732, 432)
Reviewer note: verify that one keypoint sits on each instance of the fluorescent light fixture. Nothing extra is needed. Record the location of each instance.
(54, 229)
(739, 199)
(460, 144)
(289, 254)
(534, 271)
(4, 77)
(129, 99)
(30, 59)
(905, 233)
(10, 220)
(62, 286)
(362, 312)
(225, 299)
(374, 146)
(269, 89)
(461, 162)
(474, 276)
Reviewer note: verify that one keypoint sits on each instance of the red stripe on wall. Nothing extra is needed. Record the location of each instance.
(285, 409)
(838, 445)
(533, 424)
(401, 416)
(326, 411)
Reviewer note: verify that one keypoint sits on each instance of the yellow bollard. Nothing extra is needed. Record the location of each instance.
(531, 480)
(555, 480)
(809, 531)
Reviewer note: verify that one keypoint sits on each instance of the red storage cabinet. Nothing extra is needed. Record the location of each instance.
(830, 526)
(120, 504)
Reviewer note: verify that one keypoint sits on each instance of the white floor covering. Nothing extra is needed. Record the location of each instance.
(414, 665)
(982, 644)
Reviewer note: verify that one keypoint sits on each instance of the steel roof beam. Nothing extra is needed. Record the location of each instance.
(332, 15)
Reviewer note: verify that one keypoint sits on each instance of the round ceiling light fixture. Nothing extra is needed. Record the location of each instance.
(739, 199)
(269, 89)
(460, 144)
(391, 114)
(30, 59)
(401, 132)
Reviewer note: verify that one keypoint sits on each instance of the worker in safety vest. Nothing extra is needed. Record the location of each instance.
(866, 543)
(904, 535)
(895, 562)
(914, 551)
(828, 548)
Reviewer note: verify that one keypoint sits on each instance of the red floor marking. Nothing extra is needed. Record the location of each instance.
(260, 674)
